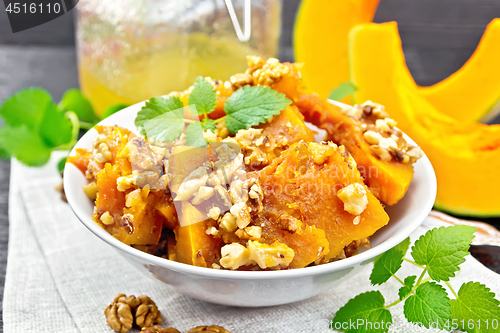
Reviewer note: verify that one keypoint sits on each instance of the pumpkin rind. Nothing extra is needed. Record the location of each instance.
(320, 40)
(465, 156)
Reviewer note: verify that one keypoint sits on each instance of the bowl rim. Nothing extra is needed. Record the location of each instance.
(367, 255)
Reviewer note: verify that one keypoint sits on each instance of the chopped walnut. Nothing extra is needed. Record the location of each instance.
(125, 182)
(355, 111)
(254, 62)
(382, 125)
(241, 79)
(356, 220)
(414, 153)
(221, 130)
(354, 198)
(242, 213)
(276, 255)
(143, 157)
(208, 329)
(204, 193)
(127, 222)
(321, 151)
(158, 329)
(234, 256)
(223, 195)
(289, 223)
(372, 137)
(238, 192)
(212, 231)
(256, 194)
(271, 72)
(90, 190)
(210, 136)
(252, 232)
(214, 213)
(228, 222)
(106, 218)
(130, 197)
(192, 183)
(375, 109)
(102, 153)
(382, 153)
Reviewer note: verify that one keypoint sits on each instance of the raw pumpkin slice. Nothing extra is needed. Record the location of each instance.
(470, 93)
(388, 175)
(300, 189)
(465, 156)
(320, 40)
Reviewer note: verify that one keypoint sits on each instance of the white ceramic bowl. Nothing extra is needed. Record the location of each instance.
(266, 288)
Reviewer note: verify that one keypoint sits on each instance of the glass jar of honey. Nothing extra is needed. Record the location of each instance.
(131, 50)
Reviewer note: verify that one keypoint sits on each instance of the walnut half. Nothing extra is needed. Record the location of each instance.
(158, 329)
(123, 311)
(147, 312)
(208, 329)
(119, 313)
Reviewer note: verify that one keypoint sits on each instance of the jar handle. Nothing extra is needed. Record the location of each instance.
(243, 34)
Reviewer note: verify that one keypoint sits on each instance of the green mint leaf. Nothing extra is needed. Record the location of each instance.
(112, 110)
(73, 100)
(61, 164)
(406, 289)
(156, 107)
(194, 135)
(55, 128)
(208, 124)
(443, 250)
(203, 96)
(166, 127)
(344, 89)
(4, 154)
(403, 246)
(389, 263)
(249, 106)
(26, 107)
(477, 306)
(365, 309)
(24, 144)
(430, 306)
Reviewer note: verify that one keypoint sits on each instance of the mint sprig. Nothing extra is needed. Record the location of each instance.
(35, 126)
(439, 253)
(163, 118)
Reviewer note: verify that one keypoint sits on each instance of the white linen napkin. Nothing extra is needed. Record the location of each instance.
(60, 277)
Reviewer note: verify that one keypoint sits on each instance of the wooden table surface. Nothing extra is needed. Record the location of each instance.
(438, 37)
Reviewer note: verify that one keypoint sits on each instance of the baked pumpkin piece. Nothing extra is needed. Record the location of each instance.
(262, 144)
(317, 184)
(194, 246)
(384, 158)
